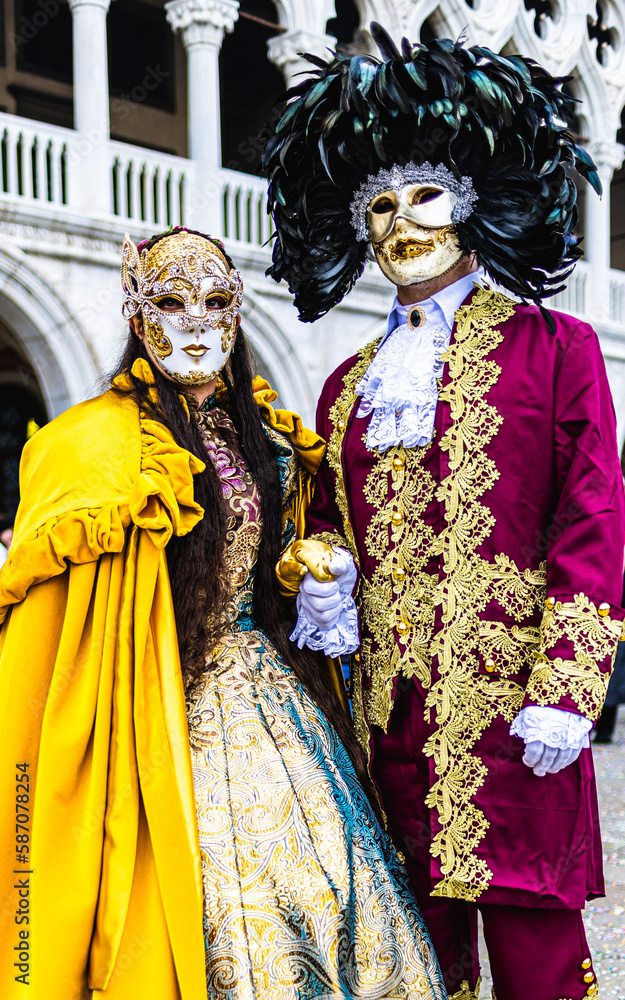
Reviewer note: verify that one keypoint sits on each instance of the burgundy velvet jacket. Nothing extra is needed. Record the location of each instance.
(491, 569)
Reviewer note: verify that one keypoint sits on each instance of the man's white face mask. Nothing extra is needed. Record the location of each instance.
(412, 233)
(189, 299)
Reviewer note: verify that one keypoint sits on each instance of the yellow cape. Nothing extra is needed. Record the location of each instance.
(91, 698)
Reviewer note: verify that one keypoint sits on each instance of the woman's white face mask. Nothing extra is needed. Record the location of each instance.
(191, 342)
(189, 300)
(412, 234)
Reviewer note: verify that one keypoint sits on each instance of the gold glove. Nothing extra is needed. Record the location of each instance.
(300, 557)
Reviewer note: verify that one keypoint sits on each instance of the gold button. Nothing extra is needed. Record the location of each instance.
(357, 657)
(374, 352)
(586, 963)
(399, 573)
(592, 989)
(604, 609)
(550, 603)
(402, 627)
(490, 665)
(341, 425)
(397, 517)
(398, 462)
(589, 977)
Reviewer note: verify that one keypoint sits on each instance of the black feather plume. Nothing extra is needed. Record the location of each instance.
(503, 121)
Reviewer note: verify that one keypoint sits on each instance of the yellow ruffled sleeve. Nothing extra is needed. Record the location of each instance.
(85, 478)
(309, 447)
(92, 701)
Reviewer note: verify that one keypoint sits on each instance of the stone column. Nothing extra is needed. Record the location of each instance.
(608, 157)
(202, 25)
(91, 103)
(284, 50)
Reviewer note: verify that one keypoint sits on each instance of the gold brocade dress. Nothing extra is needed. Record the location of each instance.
(303, 894)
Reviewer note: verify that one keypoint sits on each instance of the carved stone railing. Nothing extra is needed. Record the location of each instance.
(36, 161)
(148, 186)
(244, 208)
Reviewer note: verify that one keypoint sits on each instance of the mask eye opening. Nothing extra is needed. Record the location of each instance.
(169, 303)
(425, 195)
(382, 205)
(218, 300)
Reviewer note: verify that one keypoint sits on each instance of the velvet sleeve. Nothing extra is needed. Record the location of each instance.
(582, 621)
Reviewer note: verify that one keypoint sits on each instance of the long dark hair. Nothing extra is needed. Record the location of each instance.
(196, 561)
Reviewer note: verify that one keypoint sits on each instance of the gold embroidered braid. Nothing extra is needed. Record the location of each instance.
(463, 703)
(466, 993)
(340, 413)
(510, 647)
(330, 538)
(398, 603)
(361, 727)
(520, 594)
(594, 639)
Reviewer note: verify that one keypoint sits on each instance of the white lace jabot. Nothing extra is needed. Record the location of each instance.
(399, 387)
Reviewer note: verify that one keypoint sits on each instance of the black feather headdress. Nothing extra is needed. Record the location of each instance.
(502, 121)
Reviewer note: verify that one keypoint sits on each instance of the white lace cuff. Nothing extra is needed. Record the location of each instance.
(555, 727)
(342, 638)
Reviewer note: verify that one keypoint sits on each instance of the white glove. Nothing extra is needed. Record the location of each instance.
(547, 760)
(344, 569)
(326, 613)
(321, 603)
(554, 737)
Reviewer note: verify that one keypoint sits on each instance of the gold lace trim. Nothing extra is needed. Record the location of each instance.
(466, 993)
(509, 647)
(398, 603)
(594, 639)
(463, 703)
(330, 538)
(339, 415)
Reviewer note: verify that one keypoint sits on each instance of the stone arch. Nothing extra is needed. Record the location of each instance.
(277, 352)
(45, 332)
(310, 17)
(489, 22)
(601, 114)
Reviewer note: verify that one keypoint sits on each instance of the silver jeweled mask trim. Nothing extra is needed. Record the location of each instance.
(397, 177)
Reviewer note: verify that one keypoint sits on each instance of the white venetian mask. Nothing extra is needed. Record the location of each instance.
(189, 299)
(412, 233)
(409, 214)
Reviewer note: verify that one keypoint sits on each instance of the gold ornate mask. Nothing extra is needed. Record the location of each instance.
(412, 233)
(189, 298)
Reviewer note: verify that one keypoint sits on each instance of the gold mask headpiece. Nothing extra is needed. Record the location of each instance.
(178, 265)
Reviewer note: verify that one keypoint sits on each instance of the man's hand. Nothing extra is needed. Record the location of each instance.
(554, 737)
(547, 760)
(343, 569)
(321, 601)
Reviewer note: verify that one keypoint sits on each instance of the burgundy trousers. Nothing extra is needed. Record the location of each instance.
(535, 954)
